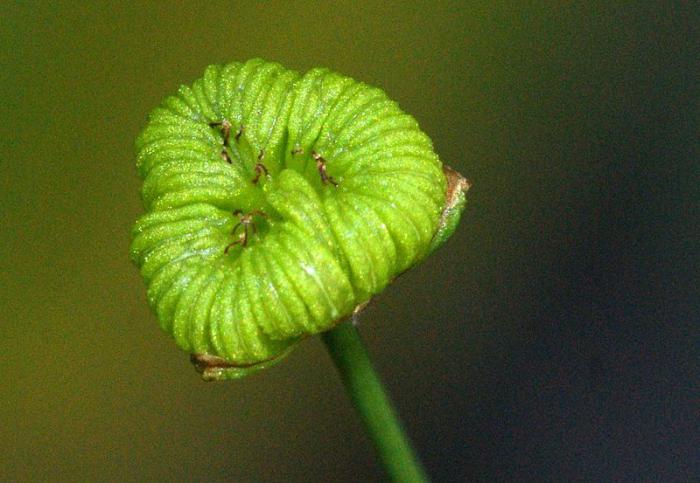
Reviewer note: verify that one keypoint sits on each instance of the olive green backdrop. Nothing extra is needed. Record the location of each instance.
(531, 346)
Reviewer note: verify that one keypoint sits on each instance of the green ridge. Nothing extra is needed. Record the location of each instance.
(275, 204)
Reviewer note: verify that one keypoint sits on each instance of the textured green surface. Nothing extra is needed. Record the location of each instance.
(340, 189)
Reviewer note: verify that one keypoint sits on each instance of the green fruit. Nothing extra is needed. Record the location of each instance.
(276, 204)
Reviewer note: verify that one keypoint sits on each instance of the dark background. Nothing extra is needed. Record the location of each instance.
(554, 338)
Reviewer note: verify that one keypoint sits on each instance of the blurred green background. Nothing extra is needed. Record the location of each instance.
(553, 338)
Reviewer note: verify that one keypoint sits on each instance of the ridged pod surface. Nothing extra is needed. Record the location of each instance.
(276, 203)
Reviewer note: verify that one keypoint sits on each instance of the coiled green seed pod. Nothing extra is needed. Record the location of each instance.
(277, 203)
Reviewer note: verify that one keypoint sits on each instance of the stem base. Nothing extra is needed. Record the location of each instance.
(369, 398)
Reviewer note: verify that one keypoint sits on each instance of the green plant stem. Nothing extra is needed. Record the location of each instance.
(369, 398)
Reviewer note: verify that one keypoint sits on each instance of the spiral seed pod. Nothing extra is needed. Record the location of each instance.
(276, 203)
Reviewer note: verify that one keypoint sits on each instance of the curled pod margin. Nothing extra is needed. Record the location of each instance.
(276, 204)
